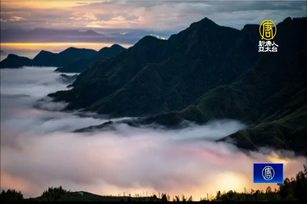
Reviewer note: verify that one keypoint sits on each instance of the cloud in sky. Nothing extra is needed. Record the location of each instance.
(121, 21)
(38, 149)
(170, 16)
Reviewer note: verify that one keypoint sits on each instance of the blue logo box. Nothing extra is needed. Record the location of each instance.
(268, 172)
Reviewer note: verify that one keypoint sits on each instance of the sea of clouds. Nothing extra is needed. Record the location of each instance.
(39, 148)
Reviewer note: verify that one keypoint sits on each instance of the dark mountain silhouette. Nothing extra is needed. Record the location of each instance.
(83, 63)
(107, 76)
(203, 73)
(157, 76)
(70, 60)
(15, 61)
(270, 97)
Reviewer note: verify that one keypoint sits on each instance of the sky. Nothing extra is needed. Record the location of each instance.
(164, 17)
(39, 149)
(140, 14)
(28, 26)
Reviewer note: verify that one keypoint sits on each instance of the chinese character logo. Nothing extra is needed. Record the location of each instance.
(268, 173)
(267, 31)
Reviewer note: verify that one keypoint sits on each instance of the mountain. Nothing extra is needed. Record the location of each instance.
(70, 60)
(46, 58)
(107, 76)
(108, 52)
(64, 58)
(156, 76)
(207, 72)
(270, 97)
(83, 63)
(15, 61)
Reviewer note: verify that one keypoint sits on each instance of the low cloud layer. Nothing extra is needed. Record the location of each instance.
(39, 150)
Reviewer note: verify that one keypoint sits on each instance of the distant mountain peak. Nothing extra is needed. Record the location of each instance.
(12, 55)
(15, 61)
(44, 52)
(70, 49)
(288, 19)
(91, 32)
(115, 46)
(149, 37)
(147, 40)
(207, 21)
(204, 23)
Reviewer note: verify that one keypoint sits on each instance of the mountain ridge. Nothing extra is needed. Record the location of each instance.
(69, 60)
(163, 59)
(206, 72)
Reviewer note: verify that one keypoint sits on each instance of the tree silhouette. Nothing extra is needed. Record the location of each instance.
(11, 195)
(53, 194)
(164, 198)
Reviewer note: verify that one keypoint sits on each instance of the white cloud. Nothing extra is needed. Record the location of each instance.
(38, 149)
